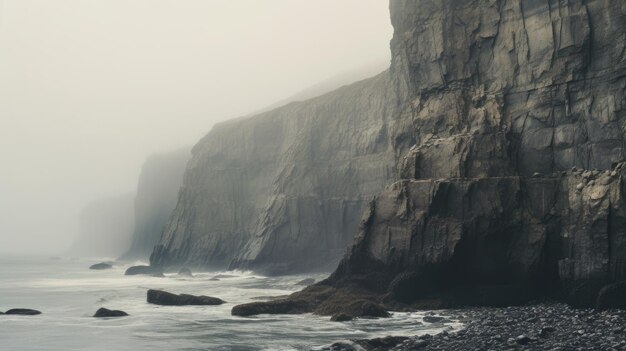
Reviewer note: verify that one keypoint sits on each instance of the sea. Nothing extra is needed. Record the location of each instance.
(68, 294)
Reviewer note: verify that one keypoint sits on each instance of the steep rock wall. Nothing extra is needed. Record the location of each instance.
(157, 193)
(512, 137)
(283, 191)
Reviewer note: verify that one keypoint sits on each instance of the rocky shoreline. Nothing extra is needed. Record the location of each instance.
(545, 326)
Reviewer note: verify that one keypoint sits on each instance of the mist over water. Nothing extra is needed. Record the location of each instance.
(90, 89)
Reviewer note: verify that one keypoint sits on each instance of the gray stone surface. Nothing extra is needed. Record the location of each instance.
(510, 184)
(283, 191)
(486, 110)
(503, 98)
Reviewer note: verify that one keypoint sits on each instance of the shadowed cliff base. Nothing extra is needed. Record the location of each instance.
(490, 241)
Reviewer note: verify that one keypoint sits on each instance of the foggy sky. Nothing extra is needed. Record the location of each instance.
(89, 89)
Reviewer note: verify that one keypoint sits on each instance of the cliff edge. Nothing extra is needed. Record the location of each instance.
(283, 191)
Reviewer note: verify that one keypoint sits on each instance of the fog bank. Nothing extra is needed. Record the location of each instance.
(88, 89)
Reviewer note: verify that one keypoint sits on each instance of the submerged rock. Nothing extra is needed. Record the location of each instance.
(104, 312)
(22, 311)
(101, 266)
(159, 297)
(143, 270)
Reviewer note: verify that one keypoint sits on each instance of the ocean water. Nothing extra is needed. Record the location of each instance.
(68, 294)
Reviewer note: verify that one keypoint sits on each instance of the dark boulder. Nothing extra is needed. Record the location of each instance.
(306, 282)
(105, 313)
(101, 266)
(159, 297)
(283, 306)
(612, 296)
(341, 317)
(185, 272)
(22, 311)
(354, 307)
(147, 270)
(523, 339)
(319, 299)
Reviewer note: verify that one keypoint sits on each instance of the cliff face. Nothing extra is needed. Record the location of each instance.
(157, 191)
(283, 191)
(503, 99)
(105, 227)
(501, 126)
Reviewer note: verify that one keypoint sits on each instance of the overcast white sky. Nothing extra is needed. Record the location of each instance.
(90, 88)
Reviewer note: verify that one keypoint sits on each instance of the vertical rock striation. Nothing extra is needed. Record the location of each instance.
(510, 132)
(501, 126)
(283, 191)
(513, 185)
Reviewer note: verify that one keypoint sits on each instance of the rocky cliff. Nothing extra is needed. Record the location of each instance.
(514, 186)
(511, 141)
(157, 192)
(283, 191)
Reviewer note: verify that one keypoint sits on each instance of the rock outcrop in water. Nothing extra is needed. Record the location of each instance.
(283, 191)
(157, 192)
(101, 266)
(107, 313)
(159, 297)
(144, 270)
(512, 137)
(22, 312)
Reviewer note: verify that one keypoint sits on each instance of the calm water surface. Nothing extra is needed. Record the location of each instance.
(68, 294)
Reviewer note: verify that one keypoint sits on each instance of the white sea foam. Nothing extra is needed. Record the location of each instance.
(68, 294)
